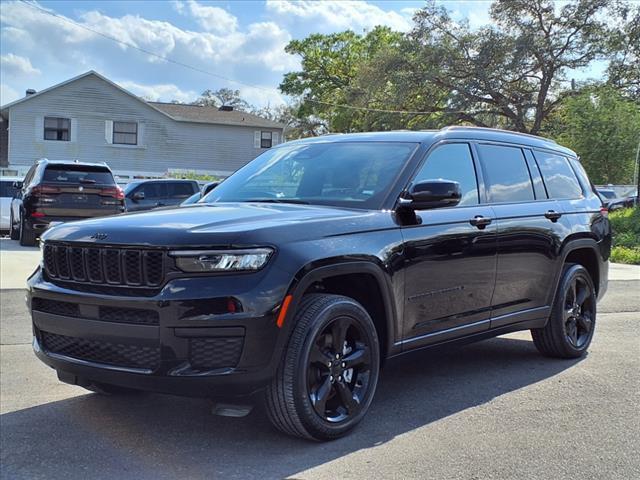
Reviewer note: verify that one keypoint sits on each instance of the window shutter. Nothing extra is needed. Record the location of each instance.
(39, 129)
(74, 130)
(256, 139)
(274, 138)
(108, 131)
(140, 133)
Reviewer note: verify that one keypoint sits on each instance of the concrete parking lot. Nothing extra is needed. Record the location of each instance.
(495, 409)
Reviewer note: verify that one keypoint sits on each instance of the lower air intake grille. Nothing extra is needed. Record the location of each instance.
(219, 352)
(117, 354)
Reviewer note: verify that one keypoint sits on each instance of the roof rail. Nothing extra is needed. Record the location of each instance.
(472, 127)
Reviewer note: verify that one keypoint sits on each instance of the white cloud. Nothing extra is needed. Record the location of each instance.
(16, 65)
(161, 92)
(211, 19)
(331, 15)
(7, 94)
(45, 34)
(262, 96)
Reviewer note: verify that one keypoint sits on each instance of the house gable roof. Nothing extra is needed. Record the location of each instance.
(177, 112)
(207, 114)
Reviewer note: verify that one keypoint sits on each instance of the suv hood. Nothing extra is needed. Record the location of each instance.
(221, 224)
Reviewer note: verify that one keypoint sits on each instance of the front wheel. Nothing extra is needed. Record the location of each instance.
(14, 233)
(570, 327)
(328, 374)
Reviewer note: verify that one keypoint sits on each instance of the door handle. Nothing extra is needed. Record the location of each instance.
(480, 222)
(552, 215)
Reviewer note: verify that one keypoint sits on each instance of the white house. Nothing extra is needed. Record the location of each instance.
(89, 118)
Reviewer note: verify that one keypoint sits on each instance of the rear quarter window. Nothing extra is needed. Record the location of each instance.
(558, 176)
(72, 174)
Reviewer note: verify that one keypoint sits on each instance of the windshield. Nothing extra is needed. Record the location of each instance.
(192, 199)
(347, 174)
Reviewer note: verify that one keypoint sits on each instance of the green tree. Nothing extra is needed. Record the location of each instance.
(330, 65)
(624, 67)
(603, 127)
(223, 97)
(511, 73)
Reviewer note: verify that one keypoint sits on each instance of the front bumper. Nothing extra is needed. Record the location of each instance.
(177, 341)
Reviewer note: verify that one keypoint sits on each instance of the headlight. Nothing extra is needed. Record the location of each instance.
(194, 261)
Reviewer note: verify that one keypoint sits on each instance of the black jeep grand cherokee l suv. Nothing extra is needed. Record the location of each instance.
(320, 259)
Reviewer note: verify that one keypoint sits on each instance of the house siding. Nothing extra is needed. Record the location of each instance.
(163, 142)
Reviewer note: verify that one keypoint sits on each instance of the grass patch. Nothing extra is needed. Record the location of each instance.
(626, 235)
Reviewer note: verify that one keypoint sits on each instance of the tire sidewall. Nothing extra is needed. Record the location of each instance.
(313, 423)
(573, 271)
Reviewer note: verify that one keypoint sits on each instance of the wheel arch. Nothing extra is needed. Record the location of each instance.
(583, 251)
(352, 279)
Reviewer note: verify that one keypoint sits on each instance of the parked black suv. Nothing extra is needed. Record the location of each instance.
(320, 259)
(149, 194)
(60, 191)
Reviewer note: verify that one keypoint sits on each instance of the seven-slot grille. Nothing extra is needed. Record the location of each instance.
(104, 265)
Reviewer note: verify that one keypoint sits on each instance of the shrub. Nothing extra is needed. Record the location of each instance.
(626, 235)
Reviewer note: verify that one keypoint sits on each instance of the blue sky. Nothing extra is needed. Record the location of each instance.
(240, 40)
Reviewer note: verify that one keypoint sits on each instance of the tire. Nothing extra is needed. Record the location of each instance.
(570, 327)
(14, 233)
(27, 235)
(312, 396)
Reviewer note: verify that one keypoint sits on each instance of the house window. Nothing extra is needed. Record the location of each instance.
(266, 140)
(125, 133)
(57, 128)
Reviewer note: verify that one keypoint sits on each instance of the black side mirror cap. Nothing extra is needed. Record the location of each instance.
(18, 185)
(137, 196)
(431, 194)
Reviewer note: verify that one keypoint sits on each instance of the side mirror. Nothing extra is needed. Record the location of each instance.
(138, 196)
(18, 185)
(431, 194)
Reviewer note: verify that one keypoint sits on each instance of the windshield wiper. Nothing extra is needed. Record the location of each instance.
(87, 180)
(277, 200)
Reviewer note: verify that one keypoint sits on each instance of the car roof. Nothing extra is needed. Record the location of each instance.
(447, 133)
(10, 179)
(164, 180)
(73, 162)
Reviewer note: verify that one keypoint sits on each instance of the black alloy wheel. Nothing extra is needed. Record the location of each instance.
(569, 330)
(329, 370)
(579, 312)
(339, 370)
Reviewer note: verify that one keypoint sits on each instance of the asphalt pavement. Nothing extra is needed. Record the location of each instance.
(491, 410)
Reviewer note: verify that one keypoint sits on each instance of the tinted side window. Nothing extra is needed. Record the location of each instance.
(7, 189)
(152, 190)
(506, 174)
(180, 190)
(582, 176)
(558, 176)
(452, 161)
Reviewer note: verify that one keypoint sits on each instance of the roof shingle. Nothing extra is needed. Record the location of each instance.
(205, 114)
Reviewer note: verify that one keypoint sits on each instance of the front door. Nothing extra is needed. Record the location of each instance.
(450, 256)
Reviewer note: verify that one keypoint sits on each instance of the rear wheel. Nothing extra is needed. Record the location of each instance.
(570, 328)
(27, 235)
(329, 371)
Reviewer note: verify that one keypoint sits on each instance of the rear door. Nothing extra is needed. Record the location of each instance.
(450, 259)
(81, 191)
(530, 231)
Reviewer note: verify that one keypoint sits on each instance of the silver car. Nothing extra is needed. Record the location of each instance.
(7, 192)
